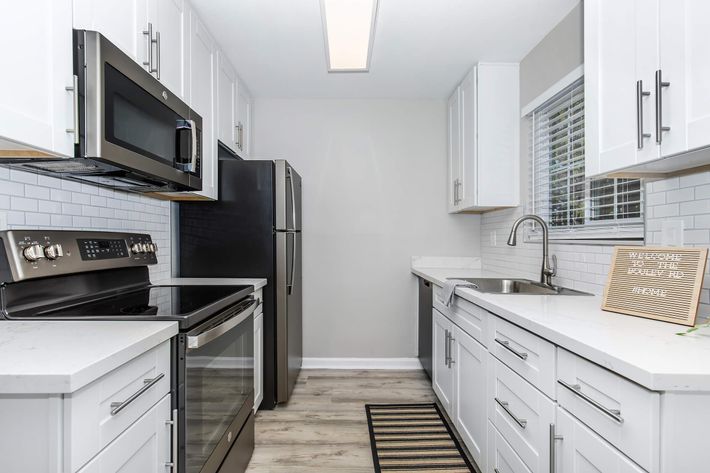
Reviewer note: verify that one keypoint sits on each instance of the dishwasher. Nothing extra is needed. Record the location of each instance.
(426, 299)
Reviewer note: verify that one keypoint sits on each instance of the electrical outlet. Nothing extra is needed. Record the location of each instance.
(493, 238)
(672, 232)
(3, 221)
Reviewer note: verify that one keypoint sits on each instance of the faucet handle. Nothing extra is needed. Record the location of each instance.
(554, 265)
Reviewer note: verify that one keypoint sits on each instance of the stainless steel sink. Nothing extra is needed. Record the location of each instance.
(520, 286)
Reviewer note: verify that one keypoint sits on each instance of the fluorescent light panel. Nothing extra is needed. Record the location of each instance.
(349, 32)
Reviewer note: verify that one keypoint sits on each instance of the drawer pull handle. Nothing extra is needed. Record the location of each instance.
(506, 344)
(117, 407)
(504, 405)
(577, 389)
(553, 448)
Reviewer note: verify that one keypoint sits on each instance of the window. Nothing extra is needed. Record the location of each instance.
(573, 206)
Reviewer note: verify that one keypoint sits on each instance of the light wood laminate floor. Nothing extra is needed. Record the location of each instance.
(323, 428)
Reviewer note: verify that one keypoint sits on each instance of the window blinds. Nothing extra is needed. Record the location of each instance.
(560, 192)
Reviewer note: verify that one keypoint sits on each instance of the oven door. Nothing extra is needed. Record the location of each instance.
(218, 386)
(131, 120)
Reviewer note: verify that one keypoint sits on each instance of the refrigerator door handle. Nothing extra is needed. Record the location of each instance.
(289, 176)
(292, 276)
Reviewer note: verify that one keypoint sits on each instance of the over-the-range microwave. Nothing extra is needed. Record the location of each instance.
(134, 134)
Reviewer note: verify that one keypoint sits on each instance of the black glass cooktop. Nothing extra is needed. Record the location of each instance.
(164, 302)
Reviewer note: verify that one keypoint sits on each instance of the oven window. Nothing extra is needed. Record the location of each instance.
(219, 380)
(137, 121)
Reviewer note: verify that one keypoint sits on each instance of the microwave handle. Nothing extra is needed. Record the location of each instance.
(193, 162)
(203, 338)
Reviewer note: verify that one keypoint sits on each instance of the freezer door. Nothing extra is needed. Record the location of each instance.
(289, 302)
(288, 196)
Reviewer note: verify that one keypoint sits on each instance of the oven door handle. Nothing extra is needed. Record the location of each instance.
(203, 338)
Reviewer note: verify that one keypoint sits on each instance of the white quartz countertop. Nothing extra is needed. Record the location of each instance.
(63, 356)
(646, 351)
(258, 283)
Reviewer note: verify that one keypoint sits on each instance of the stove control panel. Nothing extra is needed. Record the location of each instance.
(28, 254)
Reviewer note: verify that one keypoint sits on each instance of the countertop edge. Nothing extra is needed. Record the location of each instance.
(72, 382)
(660, 382)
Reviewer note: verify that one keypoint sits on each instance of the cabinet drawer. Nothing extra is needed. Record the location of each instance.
(472, 319)
(623, 413)
(530, 356)
(145, 447)
(521, 414)
(579, 450)
(89, 424)
(501, 456)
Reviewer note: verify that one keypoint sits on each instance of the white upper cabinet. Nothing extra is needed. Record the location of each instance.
(123, 22)
(455, 158)
(620, 58)
(169, 20)
(202, 86)
(36, 109)
(226, 102)
(243, 116)
(483, 139)
(152, 32)
(647, 94)
(684, 54)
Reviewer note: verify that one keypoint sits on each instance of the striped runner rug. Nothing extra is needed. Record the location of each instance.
(413, 438)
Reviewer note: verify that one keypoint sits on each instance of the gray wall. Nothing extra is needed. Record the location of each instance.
(374, 194)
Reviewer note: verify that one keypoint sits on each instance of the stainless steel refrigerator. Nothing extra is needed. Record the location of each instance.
(253, 230)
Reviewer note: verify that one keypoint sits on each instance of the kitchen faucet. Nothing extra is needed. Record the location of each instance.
(547, 270)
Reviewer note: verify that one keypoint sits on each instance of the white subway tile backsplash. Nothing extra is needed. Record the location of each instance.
(36, 192)
(680, 195)
(585, 267)
(23, 204)
(695, 207)
(36, 201)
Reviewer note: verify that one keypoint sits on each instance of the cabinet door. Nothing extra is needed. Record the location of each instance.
(226, 102)
(685, 49)
(454, 150)
(201, 98)
(620, 48)
(469, 144)
(469, 360)
(123, 22)
(170, 23)
(244, 114)
(258, 360)
(144, 447)
(35, 107)
(443, 380)
(579, 450)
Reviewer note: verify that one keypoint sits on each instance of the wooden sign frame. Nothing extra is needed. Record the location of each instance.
(654, 282)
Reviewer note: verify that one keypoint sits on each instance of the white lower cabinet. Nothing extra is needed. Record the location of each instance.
(144, 447)
(470, 359)
(501, 456)
(522, 414)
(579, 450)
(443, 375)
(258, 358)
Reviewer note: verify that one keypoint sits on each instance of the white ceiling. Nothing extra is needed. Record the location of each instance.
(421, 50)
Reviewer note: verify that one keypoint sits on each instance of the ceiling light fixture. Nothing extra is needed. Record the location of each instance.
(349, 31)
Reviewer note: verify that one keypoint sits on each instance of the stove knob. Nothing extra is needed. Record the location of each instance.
(53, 252)
(136, 248)
(33, 253)
(145, 248)
(152, 247)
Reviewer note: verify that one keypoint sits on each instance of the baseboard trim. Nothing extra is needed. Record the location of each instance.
(361, 364)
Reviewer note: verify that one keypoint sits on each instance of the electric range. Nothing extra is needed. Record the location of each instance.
(78, 275)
